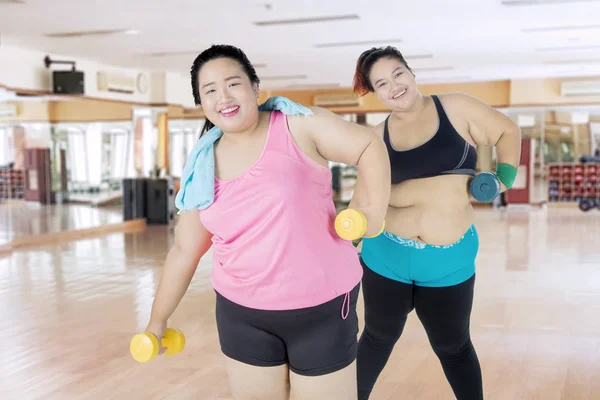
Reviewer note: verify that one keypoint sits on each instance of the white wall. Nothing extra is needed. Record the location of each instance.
(374, 119)
(25, 69)
(179, 90)
(157, 88)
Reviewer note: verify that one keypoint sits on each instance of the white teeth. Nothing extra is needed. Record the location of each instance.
(399, 94)
(229, 110)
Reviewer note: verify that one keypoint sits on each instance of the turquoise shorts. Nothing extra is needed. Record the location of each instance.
(421, 264)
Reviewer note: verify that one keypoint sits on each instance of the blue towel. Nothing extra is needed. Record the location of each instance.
(197, 189)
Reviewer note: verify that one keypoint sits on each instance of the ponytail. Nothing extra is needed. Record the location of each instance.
(207, 127)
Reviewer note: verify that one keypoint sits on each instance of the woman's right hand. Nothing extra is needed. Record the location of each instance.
(192, 240)
(375, 218)
(157, 328)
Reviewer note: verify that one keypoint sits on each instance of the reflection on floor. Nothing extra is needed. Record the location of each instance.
(97, 199)
(69, 311)
(21, 218)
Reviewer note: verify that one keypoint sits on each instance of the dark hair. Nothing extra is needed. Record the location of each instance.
(214, 52)
(362, 84)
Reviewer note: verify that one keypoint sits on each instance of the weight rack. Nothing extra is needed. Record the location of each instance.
(574, 183)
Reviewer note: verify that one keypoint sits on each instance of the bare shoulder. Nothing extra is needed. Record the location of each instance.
(485, 123)
(378, 129)
(323, 119)
(305, 123)
(321, 112)
(319, 115)
(464, 108)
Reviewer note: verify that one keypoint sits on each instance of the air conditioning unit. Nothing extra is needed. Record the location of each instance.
(580, 88)
(336, 100)
(112, 82)
(8, 110)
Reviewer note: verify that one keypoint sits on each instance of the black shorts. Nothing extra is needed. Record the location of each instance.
(312, 341)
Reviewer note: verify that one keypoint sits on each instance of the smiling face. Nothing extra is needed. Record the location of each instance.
(228, 97)
(393, 83)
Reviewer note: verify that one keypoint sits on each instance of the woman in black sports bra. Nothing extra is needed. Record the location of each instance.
(425, 259)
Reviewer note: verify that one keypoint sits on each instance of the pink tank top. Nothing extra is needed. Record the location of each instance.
(274, 240)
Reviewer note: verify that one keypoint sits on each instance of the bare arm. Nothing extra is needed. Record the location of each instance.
(346, 142)
(489, 127)
(192, 241)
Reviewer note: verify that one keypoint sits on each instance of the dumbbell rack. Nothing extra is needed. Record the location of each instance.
(574, 183)
(11, 183)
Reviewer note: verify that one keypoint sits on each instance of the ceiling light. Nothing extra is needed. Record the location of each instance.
(444, 79)
(360, 43)
(307, 20)
(86, 33)
(541, 2)
(580, 61)
(568, 48)
(282, 77)
(132, 32)
(266, 6)
(431, 69)
(313, 86)
(172, 53)
(418, 56)
(560, 28)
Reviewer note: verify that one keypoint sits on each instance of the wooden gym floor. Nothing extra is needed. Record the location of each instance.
(68, 312)
(22, 219)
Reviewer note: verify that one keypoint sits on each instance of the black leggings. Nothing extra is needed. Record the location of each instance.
(444, 312)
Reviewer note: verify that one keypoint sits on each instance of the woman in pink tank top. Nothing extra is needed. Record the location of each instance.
(286, 285)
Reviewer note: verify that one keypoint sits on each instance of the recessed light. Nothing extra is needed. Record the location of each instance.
(541, 2)
(307, 20)
(432, 69)
(313, 86)
(266, 6)
(560, 28)
(105, 32)
(563, 48)
(418, 56)
(132, 32)
(444, 79)
(281, 77)
(359, 43)
(579, 61)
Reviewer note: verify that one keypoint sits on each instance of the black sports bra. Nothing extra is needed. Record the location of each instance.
(446, 152)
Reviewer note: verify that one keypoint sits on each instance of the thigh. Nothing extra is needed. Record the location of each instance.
(244, 335)
(445, 312)
(323, 339)
(339, 385)
(250, 382)
(387, 303)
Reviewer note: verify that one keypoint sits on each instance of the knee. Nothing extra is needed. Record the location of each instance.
(261, 393)
(453, 352)
(383, 337)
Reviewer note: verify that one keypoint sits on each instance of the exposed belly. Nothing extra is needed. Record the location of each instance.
(434, 210)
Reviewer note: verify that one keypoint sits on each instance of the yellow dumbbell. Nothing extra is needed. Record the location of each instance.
(351, 224)
(144, 346)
